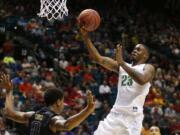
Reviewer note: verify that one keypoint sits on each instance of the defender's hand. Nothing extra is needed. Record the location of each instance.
(90, 101)
(5, 82)
(119, 56)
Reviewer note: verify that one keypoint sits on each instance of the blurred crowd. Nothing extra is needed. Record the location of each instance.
(39, 54)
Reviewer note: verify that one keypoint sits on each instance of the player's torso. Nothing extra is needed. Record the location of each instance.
(131, 93)
(39, 123)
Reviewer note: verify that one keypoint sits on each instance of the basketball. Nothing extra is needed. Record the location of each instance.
(89, 19)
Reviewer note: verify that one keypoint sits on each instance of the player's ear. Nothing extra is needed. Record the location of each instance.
(60, 102)
(145, 56)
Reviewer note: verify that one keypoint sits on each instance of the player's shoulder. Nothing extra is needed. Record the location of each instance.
(149, 67)
(57, 118)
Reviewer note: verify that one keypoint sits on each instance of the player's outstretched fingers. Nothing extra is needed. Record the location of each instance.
(2, 79)
(91, 101)
(89, 94)
(5, 82)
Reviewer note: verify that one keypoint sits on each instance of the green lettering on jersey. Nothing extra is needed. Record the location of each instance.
(126, 80)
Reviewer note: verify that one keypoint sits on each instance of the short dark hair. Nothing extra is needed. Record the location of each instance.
(52, 95)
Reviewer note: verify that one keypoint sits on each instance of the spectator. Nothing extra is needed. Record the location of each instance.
(145, 129)
(104, 90)
(169, 112)
(154, 130)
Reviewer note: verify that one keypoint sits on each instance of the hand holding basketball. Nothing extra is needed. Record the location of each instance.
(89, 19)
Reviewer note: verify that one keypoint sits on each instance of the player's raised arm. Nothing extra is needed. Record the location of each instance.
(58, 124)
(21, 117)
(141, 78)
(106, 62)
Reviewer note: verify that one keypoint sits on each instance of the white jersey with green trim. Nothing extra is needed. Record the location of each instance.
(131, 94)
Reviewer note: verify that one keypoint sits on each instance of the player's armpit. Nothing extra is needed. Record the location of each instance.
(108, 63)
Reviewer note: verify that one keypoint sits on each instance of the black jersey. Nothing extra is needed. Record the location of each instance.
(39, 122)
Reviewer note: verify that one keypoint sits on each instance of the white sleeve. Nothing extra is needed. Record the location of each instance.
(61, 120)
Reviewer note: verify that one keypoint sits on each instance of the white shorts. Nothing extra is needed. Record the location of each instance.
(121, 123)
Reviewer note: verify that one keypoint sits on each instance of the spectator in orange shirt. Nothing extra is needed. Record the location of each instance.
(145, 129)
(26, 87)
(71, 69)
(88, 76)
(158, 100)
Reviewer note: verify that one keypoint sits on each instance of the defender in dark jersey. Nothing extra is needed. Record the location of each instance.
(46, 121)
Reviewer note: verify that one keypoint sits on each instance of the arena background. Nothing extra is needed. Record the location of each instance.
(40, 54)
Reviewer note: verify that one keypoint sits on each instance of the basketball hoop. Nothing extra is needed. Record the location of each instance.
(53, 9)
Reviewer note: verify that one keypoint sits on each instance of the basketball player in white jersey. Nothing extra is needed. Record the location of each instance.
(126, 116)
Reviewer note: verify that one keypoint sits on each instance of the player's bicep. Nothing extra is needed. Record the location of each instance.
(27, 115)
(149, 72)
(109, 63)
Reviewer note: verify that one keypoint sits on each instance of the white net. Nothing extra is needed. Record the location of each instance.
(53, 9)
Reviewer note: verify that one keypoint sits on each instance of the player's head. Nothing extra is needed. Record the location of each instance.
(154, 130)
(140, 53)
(54, 97)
